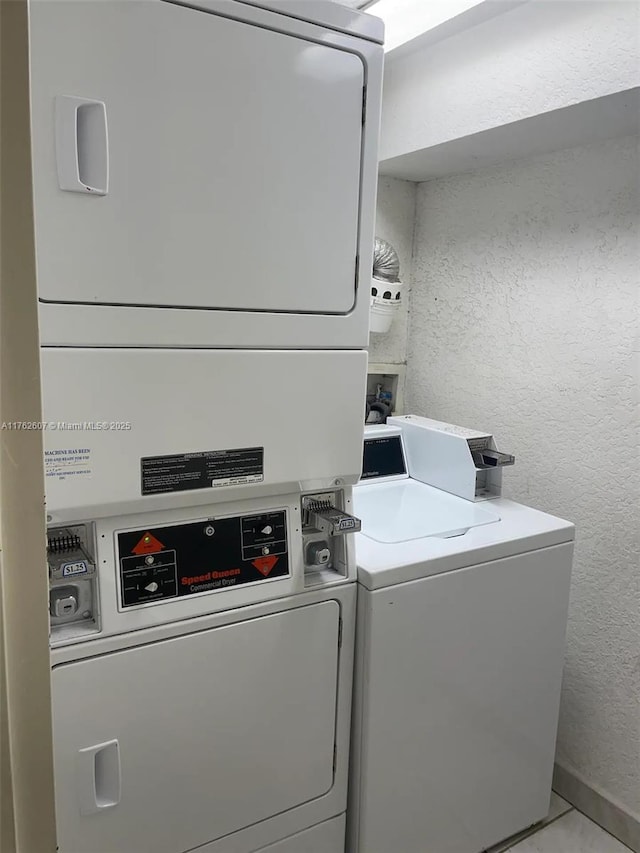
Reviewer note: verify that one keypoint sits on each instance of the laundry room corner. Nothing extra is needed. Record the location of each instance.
(387, 351)
(521, 131)
(395, 220)
(525, 314)
(234, 619)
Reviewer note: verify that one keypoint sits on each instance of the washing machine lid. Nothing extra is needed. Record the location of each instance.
(407, 510)
(513, 529)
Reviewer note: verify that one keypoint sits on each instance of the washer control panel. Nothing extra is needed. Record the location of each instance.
(163, 563)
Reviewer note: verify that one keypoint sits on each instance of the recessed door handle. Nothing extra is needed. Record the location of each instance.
(98, 777)
(82, 145)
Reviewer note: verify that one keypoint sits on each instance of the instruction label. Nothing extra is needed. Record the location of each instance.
(68, 462)
(211, 469)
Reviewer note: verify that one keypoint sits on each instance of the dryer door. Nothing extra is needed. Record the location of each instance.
(168, 746)
(184, 159)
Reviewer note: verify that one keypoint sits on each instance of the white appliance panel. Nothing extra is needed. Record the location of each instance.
(195, 401)
(327, 837)
(221, 737)
(335, 16)
(458, 692)
(266, 148)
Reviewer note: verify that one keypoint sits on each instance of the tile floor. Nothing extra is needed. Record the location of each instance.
(565, 830)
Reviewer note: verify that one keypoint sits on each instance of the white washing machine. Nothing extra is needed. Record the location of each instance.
(462, 608)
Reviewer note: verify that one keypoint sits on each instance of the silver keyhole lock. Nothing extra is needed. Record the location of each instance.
(209, 530)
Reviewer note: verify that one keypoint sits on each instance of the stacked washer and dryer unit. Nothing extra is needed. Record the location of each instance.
(204, 184)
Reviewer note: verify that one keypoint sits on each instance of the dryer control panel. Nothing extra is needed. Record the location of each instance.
(172, 561)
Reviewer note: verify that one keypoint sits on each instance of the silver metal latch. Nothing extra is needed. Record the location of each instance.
(329, 520)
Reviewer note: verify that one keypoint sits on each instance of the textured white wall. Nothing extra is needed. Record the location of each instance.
(525, 321)
(543, 55)
(395, 215)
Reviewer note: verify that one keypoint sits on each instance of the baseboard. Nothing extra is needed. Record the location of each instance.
(585, 797)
